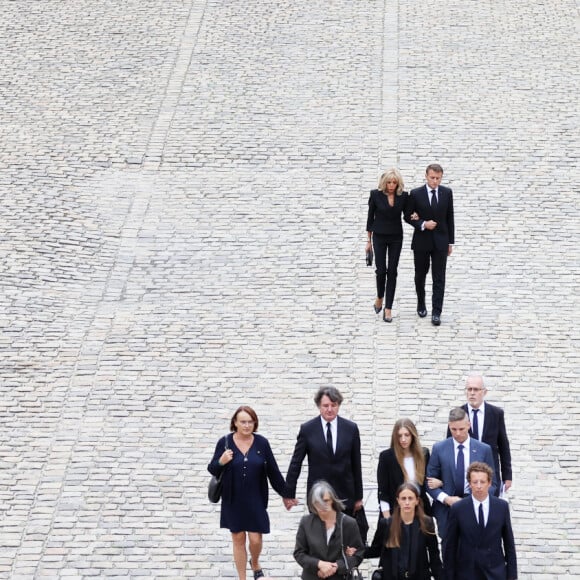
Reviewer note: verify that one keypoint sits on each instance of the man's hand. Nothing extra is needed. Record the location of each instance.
(449, 250)
(507, 484)
(357, 505)
(429, 225)
(434, 483)
(451, 499)
(289, 502)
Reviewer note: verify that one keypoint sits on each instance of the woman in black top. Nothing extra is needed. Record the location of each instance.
(404, 461)
(406, 543)
(385, 230)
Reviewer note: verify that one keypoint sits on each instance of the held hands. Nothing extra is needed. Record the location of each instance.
(226, 457)
(327, 569)
(430, 224)
(350, 551)
(414, 216)
(289, 503)
(434, 483)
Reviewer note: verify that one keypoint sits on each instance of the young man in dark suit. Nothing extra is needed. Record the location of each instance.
(332, 445)
(430, 212)
(480, 541)
(488, 425)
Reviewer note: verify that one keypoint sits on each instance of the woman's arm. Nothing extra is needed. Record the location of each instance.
(221, 457)
(350, 538)
(274, 475)
(302, 548)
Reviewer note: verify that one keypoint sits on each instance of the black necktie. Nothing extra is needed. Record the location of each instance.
(460, 472)
(475, 426)
(433, 200)
(481, 518)
(329, 438)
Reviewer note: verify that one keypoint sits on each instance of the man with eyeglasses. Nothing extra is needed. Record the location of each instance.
(488, 425)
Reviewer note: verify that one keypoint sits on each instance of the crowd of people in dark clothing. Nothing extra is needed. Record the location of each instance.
(454, 491)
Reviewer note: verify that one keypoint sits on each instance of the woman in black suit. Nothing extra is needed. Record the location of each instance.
(405, 461)
(385, 230)
(328, 542)
(406, 543)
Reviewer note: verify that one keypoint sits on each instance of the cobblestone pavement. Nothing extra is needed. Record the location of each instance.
(184, 189)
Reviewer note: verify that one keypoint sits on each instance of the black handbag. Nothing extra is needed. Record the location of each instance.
(377, 574)
(370, 257)
(214, 489)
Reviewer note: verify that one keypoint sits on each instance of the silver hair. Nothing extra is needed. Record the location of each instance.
(317, 493)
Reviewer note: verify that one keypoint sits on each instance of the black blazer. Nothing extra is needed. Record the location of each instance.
(495, 435)
(444, 234)
(390, 477)
(424, 563)
(384, 219)
(341, 469)
(311, 545)
(468, 549)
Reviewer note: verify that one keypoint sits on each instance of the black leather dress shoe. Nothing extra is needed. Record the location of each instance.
(435, 320)
(422, 312)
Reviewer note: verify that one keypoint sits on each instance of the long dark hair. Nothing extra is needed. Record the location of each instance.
(425, 522)
(416, 450)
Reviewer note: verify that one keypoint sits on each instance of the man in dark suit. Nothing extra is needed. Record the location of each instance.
(488, 425)
(477, 527)
(449, 462)
(430, 212)
(332, 445)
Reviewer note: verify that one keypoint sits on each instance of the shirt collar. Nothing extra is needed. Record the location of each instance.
(465, 444)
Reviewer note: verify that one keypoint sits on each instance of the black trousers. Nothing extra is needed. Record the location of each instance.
(437, 260)
(387, 252)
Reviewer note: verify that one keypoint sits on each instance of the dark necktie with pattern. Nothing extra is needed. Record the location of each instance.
(481, 518)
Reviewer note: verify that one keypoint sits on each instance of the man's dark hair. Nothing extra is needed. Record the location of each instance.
(331, 392)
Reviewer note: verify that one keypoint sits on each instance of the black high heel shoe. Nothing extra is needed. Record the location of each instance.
(387, 318)
(377, 308)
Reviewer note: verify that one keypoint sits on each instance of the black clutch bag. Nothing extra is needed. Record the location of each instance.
(370, 258)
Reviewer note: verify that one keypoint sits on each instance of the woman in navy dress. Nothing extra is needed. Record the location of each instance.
(247, 463)
(385, 230)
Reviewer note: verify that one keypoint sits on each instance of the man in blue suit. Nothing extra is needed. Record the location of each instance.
(332, 445)
(478, 526)
(449, 462)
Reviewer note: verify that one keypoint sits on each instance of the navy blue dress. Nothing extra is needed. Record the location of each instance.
(245, 485)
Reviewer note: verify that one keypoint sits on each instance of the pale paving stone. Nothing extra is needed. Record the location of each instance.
(184, 190)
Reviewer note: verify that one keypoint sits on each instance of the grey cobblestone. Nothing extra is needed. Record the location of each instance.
(184, 190)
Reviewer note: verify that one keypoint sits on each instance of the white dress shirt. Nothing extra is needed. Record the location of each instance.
(485, 504)
(333, 430)
(480, 418)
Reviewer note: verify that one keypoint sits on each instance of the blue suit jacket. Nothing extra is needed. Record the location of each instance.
(442, 466)
(342, 469)
(468, 549)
